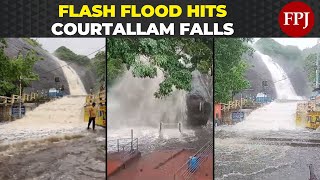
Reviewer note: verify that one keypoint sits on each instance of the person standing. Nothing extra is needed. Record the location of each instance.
(92, 115)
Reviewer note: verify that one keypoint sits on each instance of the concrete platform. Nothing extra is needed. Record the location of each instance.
(159, 165)
(115, 163)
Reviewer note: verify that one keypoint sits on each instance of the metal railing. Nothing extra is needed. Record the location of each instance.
(170, 125)
(130, 146)
(128, 149)
(234, 104)
(26, 97)
(185, 172)
(115, 144)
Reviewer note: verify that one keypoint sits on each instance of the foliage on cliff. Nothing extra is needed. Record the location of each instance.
(66, 54)
(144, 55)
(304, 60)
(229, 67)
(32, 42)
(272, 48)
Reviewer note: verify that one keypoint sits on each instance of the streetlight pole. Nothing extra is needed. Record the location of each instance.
(20, 97)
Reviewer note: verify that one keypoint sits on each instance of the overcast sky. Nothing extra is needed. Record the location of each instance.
(82, 46)
(301, 43)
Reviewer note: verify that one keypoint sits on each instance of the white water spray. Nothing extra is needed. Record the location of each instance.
(276, 115)
(132, 103)
(76, 86)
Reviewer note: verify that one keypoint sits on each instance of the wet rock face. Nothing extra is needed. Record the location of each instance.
(47, 68)
(199, 100)
(256, 73)
(198, 110)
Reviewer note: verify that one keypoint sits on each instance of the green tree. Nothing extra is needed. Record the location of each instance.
(6, 74)
(12, 68)
(99, 63)
(175, 57)
(23, 66)
(66, 54)
(229, 67)
(310, 67)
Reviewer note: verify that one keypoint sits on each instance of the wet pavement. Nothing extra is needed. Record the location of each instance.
(157, 146)
(160, 165)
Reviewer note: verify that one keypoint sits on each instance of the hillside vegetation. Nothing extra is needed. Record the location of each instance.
(32, 42)
(274, 49)
(304, 60)
(66, 54)
(95, 66)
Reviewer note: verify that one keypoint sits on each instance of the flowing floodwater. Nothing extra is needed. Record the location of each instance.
(275, 116)
(61, 116)
(52, 142)
(267, 145)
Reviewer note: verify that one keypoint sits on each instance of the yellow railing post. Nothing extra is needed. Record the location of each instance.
(12, 99)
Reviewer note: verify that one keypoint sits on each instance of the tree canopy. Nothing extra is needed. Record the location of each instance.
(310, 67)
(175, 57)
(229, 67)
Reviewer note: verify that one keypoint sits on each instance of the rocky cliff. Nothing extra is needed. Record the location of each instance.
(199, 100)
(47, 68)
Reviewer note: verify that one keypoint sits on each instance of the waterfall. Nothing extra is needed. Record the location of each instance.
(280, 79)
(61, 116)
(278, 115)
(76, 86)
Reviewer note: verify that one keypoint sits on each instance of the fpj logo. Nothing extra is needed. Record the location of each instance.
(296, 19)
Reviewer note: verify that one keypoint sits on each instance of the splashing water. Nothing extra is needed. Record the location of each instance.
(132, 103)
(280, 79)
(274, 116)
(76, 86)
